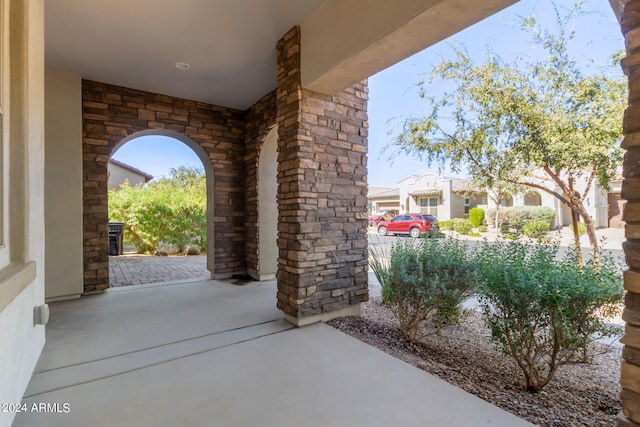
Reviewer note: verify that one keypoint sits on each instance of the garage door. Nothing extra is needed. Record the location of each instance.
(616, 205)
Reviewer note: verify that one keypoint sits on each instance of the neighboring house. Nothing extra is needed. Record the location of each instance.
(443, 197)
(596, 203)
(383, 198)
(448, 198)
(119, 173)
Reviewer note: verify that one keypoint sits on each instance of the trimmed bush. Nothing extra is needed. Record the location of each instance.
(462, 226)
(476, 216)
(447, 224)
(535, 229)
(483, 229)
(546, 313)
(425, 282)
(192, 250)
(517, 216)
(582, 228)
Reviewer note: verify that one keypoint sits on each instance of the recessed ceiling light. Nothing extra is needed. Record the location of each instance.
(182, 65)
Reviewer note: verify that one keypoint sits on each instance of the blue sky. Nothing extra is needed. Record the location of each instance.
(393, 95)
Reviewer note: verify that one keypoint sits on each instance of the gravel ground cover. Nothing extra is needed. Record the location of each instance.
(579, 395)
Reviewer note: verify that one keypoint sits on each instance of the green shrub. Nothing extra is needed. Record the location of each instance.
(424, 282)
(542, 312)
(476, 216)
(582, 228)
(446, 224)
(192, 250)
(535, 229)
(475, 235)
(170, 211)
(462, 226)
(517, 216)
(434, 232)
(482, 229)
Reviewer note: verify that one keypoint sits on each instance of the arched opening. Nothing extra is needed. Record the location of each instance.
(532, 198)
(173, 159)
(268, 208)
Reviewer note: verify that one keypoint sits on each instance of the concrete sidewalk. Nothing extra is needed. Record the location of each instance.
(611, 238)
(213, 354)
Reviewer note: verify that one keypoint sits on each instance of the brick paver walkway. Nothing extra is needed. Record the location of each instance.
(128, 270)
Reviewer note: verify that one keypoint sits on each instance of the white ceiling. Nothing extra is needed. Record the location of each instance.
(229, 44)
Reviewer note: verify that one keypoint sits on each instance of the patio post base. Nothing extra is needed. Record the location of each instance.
(351, 310)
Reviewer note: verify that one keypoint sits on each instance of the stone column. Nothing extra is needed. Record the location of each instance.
(322, 194)
(630, 377)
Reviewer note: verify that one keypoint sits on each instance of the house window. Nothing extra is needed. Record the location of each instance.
(429, 206)
(467, 203)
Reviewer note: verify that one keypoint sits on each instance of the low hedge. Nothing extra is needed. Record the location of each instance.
(517, 216)
(535, 229)
(462, 226)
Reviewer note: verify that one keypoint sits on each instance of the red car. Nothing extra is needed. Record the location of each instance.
(412, 224)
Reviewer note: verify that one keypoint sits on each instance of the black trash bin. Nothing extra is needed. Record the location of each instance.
(116, 245)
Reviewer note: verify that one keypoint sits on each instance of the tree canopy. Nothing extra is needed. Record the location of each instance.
(512, 123)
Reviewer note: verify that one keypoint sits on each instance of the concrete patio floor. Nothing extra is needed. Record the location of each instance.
(211, 353)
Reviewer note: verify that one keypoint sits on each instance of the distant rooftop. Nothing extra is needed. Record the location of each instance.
(383, 192)
(147, 177)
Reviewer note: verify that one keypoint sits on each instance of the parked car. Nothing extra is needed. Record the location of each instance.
(381, 215)
(412, 224)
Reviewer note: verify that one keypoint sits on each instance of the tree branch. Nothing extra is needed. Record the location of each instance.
(556, 178)
(464, 147)
(589, 183)
(546, 190)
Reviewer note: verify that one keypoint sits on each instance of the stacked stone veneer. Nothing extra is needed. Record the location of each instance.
(260, 120)
(630, 378)
(322, 189)
(112, 113)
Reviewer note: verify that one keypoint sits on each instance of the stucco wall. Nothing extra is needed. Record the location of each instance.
(260, 121)
(118, 175)
(457, 206)
(22, 281)
(267, 207)
(63, 173)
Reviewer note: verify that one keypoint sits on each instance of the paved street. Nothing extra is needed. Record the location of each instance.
(612, 238)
